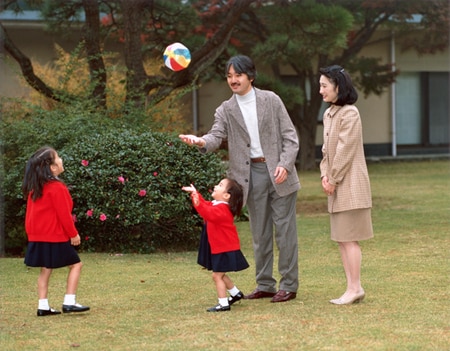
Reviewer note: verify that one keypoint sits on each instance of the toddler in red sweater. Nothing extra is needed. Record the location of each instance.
(219, 245)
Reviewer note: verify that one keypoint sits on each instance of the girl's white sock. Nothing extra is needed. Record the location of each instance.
(69, 299)
(43, 304)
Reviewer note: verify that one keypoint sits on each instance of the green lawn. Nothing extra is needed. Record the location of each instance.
(158, 302)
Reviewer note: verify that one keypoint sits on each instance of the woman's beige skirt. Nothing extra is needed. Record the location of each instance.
(354, 225)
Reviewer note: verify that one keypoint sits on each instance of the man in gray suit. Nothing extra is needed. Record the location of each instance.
(262, 149)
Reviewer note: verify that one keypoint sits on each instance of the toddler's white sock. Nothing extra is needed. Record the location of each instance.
(233, 291)
(69, 299)
(223, 301)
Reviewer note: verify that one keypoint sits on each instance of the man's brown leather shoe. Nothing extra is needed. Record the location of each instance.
(283, 296)
(259, 294)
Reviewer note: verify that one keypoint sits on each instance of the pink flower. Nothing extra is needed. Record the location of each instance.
(85, 163)
(102, 217)
(142, 192)
(74, 218)
(121, 179)
(155, 173)
(86, 238)
(118, 216)
(90, 212)
(106, 20)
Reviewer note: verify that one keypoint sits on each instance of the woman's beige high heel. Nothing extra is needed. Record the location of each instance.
(354, 299)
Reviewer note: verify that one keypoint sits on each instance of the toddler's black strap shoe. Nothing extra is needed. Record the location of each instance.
(50, 312)
(235, 298)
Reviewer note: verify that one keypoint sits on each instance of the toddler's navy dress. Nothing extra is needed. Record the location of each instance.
(232, 261)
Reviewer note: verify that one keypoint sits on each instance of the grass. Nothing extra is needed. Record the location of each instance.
(158, 302)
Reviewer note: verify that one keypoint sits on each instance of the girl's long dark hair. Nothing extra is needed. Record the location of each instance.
(236, 197)
(38, 172)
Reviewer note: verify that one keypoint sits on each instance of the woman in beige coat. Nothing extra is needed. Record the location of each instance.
(345, 178)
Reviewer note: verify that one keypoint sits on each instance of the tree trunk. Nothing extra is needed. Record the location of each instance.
(2, 205)
(2, 169)
(309, 132)
(306, 127)
(95, 59)
(307, 148)
(136, 75)
(304, 117)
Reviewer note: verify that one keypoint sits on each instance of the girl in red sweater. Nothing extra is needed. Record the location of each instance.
(50, 228)
(219, 246)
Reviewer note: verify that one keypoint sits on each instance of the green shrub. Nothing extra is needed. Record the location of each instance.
(127, 192)
(155, 162)
(22, 132)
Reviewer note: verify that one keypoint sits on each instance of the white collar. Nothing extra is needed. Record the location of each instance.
(216, 202)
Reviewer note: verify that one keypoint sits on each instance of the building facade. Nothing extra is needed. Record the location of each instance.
(412, 116)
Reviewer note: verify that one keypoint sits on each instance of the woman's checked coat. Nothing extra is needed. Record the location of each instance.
(343, 159)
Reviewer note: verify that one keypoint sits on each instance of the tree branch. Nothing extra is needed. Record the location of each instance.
(204, 56)
(26, 66)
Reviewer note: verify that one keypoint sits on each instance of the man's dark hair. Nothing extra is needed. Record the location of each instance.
(243, 65)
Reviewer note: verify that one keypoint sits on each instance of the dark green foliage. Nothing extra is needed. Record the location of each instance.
(373, 76)
(158, 163)
(21, 135)
(135, 180)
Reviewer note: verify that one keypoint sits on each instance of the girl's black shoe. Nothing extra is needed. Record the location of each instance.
(74, 308)
(219, 308)
(50, 312)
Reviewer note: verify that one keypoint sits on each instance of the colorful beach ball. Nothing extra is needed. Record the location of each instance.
(177, 56)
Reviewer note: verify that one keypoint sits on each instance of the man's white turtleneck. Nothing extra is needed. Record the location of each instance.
(247, 104)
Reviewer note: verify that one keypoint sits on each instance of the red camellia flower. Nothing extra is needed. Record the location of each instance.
(155, 173)
(74, 218)
(142, 192)
(121, 179)
(90, 212)
(106, 20)
(85, 163)
(86, 238)
(102, 217)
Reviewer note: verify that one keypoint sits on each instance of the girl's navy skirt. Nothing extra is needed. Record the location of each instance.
(50, 255)
(232, 261)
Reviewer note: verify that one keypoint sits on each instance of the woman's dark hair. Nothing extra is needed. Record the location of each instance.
(236, 197)
(347, 94)
(38, 172)
(243, 65)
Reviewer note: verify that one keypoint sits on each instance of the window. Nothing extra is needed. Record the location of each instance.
(422, 108)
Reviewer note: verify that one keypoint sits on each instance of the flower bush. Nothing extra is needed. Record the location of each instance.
(125, 183)
(127, 192)
(23, 130)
